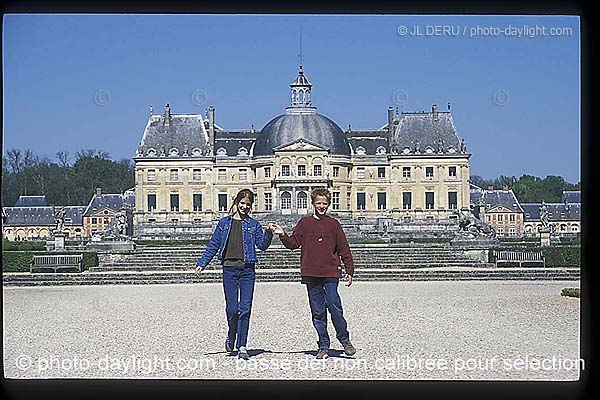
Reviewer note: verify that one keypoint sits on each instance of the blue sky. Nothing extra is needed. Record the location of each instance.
(74, 82)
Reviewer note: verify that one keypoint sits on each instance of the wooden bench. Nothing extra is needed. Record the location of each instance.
(520, 257)
(56, 261)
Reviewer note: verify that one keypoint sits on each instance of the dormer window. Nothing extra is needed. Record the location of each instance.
(196, 152)
(173, 152)
(242, 151)
(221, 151)
(361, 150)
(406, 150)
(381, 150)
(151, 153)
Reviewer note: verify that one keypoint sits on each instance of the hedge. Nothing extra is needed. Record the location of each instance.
(19, 261)
(571, 292)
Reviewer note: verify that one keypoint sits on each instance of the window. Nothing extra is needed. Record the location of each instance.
(407, 200)
(267, 172)
(106, 221)
(429, 172)
(151, 202)
(222, 174)
(360, 172)
(381, 201)
(500, 217)
(222, 202)
(453, 200)
(94, 220)
(243, 174)
(174, 175)
(511, 217)
(406, 172)
(301, 170)
(381, 172)
(151, 175)
(286, 201)
(452, 172)
(174, 201)
(335, 200)
(429, 200)
(302, 200)
(285, 170)
(336, 172)
(197, 201)
(361, 201)
(348, 200)
(268, 202)
(197, 174)
(512, 232)
(318, 170)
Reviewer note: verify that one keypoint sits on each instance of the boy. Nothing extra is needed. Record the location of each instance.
(323, 243)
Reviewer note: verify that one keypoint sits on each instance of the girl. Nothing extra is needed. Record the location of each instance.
(233, 241)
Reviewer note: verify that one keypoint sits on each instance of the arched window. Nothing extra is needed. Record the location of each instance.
(302, 200)
(381, 150)
(242, 151)
(361, 150)
(221, 151)
(173, 152)
(286, 201)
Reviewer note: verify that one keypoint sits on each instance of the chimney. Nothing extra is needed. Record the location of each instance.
(434, 110)
(211, 126)
(98, 192)
(390, 112)
(168, 111)
(448, 106)
(490, 188)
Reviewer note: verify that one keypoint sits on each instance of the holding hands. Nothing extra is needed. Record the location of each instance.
(275, 228)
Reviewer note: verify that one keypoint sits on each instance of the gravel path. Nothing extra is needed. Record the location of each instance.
(474, 330)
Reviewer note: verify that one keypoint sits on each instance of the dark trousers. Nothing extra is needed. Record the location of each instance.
(238, 285)
(322, 297)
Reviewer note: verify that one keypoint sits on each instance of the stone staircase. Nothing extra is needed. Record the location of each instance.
(397, 262)
(184, 258)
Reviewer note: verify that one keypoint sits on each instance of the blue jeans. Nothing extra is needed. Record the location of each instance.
(238, 285)
(323, 297)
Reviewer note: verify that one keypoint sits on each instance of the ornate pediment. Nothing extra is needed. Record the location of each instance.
(301, 145)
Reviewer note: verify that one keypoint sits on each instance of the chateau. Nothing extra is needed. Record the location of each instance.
(189, 168)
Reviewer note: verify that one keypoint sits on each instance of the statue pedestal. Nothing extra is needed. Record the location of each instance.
(545, 238)
(59, 241)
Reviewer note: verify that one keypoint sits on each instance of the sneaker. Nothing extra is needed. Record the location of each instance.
(243, 353)
(349, 349)
(228, 345)
(322, 353)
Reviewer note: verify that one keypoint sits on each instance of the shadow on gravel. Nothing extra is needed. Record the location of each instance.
(255, 352)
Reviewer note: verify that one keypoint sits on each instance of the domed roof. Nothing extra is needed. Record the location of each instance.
(301, 121)
(291, 126)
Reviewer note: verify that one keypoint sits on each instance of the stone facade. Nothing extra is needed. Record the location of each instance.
(188, 168)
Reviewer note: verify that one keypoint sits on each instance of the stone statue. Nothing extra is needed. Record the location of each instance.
(116, 229)
(59, 219)
(544, 216)
(473, 227)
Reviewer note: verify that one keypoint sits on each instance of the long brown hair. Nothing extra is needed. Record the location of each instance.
(244, 193)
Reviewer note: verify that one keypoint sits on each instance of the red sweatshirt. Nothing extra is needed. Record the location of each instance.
(323, 242)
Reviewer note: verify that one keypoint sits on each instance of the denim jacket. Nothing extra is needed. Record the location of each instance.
(253, 234)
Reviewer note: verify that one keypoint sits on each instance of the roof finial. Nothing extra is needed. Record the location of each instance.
(300, 54)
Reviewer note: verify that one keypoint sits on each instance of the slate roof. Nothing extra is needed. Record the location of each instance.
(173, 135)
(32, 201)
(427, 133)
(571, 196)
(491, 199)
(114, 202)
(41, 216)
(294, 125)
(370, 141)
(558, 211)
(233, 141)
